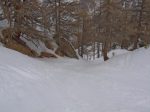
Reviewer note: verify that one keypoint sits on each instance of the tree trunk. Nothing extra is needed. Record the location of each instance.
(105, 51)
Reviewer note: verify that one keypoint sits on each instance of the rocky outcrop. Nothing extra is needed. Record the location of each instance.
(47, 55)
(11, 39)
(66, 49)
(11, 42)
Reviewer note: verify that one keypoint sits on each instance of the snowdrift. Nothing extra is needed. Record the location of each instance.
(66, 85)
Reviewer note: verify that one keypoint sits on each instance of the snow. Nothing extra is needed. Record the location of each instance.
(117, 52)
(4, 23)
(67, 85)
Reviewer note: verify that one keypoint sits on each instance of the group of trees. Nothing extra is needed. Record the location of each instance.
(122, 23)
(93, 27)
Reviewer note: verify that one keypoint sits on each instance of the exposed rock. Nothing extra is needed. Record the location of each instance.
(47, 55)
(59, 52)
(16, 44)
(12, 40)
(49, 45)
(67, 49)
(12, 44)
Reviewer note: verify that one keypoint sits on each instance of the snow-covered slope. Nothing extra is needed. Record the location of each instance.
(66, 85)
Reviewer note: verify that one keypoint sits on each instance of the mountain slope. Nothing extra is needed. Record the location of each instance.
(66, 85)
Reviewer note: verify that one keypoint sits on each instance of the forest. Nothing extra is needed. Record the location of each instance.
(74, 28)
(74, 55)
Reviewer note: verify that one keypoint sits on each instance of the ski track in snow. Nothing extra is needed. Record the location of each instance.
(67, 85)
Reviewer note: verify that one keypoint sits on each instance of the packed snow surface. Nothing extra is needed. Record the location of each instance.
(121, 84)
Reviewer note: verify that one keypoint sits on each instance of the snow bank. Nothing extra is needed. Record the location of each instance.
(66, 85)
(117, 52)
